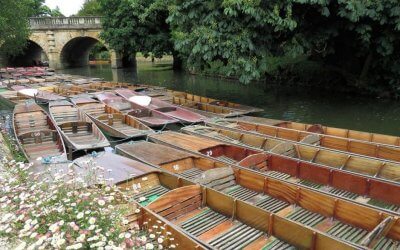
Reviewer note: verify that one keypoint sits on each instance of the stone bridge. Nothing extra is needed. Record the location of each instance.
(64, 42)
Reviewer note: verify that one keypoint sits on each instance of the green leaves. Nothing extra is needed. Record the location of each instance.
(248, 39)
(133, 25)
(14, 29)
(90, 8)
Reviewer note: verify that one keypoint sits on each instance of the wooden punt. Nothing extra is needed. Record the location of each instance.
(206, 109)
(303, 150)
(151, 118)
(12, 97)
(181, 114)
(160, 94)
(78, 131)
(112, 121)
(335, 181)
(202, 99)
(36, 133)
(69, 90)
(120, 171)
(258, 202)
(354, 146)
(338, 132)
(103, 86)
(39, 95)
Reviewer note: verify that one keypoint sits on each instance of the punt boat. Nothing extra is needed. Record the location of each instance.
(12, 97)
(36, 133)
(69, 90)
(202, 99)
(339, 132)
(121, 171)
(78, 131)
(229, 189)
(112, 121)
(39, 95)
(365, 148)
(376, 168)
(206, 109)
(151, 118)
(104, 86)
(335, 181)
(166, 108)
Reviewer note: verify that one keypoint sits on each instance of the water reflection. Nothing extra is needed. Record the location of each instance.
(288, 103)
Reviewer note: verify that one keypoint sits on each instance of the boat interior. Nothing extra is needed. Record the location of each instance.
(201, 99)
(337, 143)
(218, 219)
(336, 181)
(36, 132)
(304, 150)
(340, 132)
(124, 125)
(205, 107)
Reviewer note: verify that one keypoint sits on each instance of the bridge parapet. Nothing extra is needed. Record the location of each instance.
(54, 23)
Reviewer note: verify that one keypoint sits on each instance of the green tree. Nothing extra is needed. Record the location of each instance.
(14, 28)
(133, 25)
(357, 39)
(90, 8)
(39, 9)
(232, 38)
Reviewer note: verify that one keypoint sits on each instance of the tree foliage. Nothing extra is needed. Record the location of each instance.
(90, 8)
(133, 25)
(39, 9)
(14, 28)
(14, 25)
(358, 38)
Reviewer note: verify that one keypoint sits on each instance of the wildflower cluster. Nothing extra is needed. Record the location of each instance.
(63, 212)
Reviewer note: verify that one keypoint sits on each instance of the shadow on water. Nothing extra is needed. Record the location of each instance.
(288, 103)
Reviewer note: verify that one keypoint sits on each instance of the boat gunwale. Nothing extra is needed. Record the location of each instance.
(179, 177)
(272, 177)
(61, 144)
(212, 123)
(397, 183)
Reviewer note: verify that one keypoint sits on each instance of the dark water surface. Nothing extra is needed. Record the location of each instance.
(295, 104)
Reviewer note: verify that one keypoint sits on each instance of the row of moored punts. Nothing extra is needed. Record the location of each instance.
(221, 180)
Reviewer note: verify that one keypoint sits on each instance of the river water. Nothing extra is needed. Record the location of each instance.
(287, 103)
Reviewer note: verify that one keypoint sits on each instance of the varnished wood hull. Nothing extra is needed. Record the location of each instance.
(12, 98)
(214, 102)
(335, 181)
(149, 117)
(36, 134)
(121, 172)
(41, 96)
(79, 132)
(175, 112)
(332, 131)
(118, 125)
(112, 121)
(313, 210)
(206, 109)
(372, 168)
(332, 142)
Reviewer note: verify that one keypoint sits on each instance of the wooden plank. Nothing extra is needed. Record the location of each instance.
(175, 196)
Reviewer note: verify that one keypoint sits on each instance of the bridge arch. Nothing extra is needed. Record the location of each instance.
(75, 53)
(33, 55)
(68, 40)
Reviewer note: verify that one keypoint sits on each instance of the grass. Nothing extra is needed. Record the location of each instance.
(14, 149)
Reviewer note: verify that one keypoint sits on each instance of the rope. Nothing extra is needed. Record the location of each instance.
(162, 129)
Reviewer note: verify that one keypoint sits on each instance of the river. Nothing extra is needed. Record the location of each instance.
(287, 103)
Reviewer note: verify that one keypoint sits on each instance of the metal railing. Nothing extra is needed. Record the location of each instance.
(37, 23)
